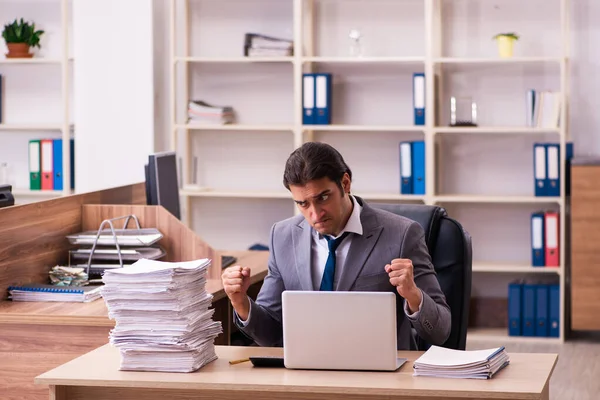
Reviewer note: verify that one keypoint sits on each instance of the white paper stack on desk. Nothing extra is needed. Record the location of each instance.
(448, 363)
(163, 319)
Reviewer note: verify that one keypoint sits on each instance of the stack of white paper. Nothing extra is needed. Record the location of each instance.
(162, 314)
(449, 363)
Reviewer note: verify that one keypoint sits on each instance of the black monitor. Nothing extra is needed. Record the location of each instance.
(162, 183)
(6, 196)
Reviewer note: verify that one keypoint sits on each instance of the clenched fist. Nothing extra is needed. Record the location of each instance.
(236, 281)
(401, 275)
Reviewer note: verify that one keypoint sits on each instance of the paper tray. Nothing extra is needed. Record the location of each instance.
(128, 254)
(125, 237)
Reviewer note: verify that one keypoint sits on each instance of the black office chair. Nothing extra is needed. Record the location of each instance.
(451, 253)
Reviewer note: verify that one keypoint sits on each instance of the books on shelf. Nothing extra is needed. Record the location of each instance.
(449, 363)
(533, 309)
(201, 112)
(257, 45)
(163, 316)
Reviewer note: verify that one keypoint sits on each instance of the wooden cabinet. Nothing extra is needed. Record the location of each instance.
(585, 245)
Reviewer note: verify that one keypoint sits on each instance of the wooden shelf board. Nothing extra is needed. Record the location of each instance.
(234, 127)
(501, 336)
(365, 128)
(489, 267)
(509, 199)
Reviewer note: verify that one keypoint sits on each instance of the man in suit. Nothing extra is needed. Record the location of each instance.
(375, 250)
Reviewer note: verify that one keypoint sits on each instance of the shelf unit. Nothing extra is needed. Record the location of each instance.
(428, 27)
(23, 117)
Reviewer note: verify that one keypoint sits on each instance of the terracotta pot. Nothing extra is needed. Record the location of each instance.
(18, 50)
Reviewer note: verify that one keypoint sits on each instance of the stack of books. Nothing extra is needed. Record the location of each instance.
(257, 45)
(203, 113)
(162, 314)
(448, 363)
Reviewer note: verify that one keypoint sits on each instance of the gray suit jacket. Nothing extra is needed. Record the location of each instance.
(386, 236)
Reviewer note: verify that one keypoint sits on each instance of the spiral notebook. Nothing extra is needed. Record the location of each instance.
(47, 292)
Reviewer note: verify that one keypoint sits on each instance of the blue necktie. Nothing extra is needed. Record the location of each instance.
(329, 272)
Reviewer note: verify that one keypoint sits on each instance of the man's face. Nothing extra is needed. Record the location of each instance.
(323, 204)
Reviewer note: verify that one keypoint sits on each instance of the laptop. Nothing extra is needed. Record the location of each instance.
(340, 331)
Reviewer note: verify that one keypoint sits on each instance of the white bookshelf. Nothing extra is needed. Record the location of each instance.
(37, 94)
(237, 172)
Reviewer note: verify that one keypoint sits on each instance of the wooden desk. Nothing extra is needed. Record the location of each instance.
(38, 336)
(96, 376)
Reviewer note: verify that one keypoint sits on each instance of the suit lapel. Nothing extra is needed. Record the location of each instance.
(301, 238)
(360, 248)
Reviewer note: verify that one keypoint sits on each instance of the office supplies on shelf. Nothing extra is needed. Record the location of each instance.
(463, 111)
(356, 45)
(539, 169)
(419, 98)
(308, 99)
(551, 223)
(449, 363)
(406, 180)
(47, 164)
(412, 167)
(48, 292)
(323, 87)
(543, 108)
(538, 253)
(258, 45)
(35, 178)
(515, 294)
(317, 97)
(533, 308)
(201, 112)
(57, 164)
(162, 314)
(552, 169)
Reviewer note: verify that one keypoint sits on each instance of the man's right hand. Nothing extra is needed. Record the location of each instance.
(236, 281)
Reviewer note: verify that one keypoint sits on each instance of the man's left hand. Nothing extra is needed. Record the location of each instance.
(401, 275)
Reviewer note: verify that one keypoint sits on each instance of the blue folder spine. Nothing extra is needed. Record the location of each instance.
(418, 170)
(515, 294)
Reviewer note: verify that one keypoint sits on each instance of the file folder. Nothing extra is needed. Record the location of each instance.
(323, 99)
(419, 98)
(57, 154)
(554, 310)
(529, 309)
(406, 168)
(568, 158)
(35, 177)
(538, 251)
(541, 310)
(539, 169)
(418, 167)
(308, 99)
(515, 294)
(551, 223)
(72, 163)
(553, 170)
(47, 167)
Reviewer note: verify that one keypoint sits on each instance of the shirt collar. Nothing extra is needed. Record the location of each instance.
(353, 225)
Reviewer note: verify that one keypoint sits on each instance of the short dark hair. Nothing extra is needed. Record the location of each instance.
(313, 161)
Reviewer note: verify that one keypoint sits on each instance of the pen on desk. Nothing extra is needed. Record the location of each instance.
(232, 362)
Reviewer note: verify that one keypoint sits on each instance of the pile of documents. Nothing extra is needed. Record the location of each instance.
(163, 320)
(256, 45)
(448, 363)
(203, 113)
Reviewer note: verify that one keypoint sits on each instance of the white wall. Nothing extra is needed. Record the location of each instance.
(114, 91)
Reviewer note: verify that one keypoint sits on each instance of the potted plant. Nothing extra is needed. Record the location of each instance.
(506, 43)
(19, 37)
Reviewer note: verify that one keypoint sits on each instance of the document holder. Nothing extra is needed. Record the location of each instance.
(129, 244)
